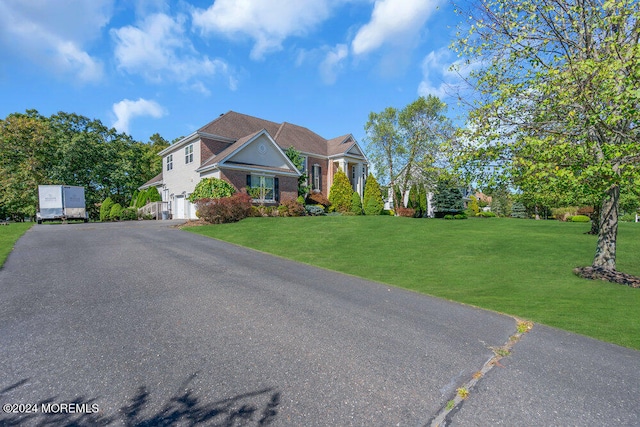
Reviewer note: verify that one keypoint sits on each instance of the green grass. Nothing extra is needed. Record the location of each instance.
(9, 235)
(517, 267)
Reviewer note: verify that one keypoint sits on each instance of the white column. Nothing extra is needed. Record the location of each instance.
(360, 179)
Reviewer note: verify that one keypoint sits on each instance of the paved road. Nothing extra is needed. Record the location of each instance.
(142, 324)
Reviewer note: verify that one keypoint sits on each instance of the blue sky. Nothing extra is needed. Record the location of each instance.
(147, 66)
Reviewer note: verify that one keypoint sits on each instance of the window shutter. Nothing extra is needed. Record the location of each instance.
(319, 178)
(248, 182)
(276, 189)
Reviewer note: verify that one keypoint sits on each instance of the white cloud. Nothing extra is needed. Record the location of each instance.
(333, 63)
(268, 23)
(53, 34)
(438, 78)
(158, 49)
(393, 21)
(126, 110)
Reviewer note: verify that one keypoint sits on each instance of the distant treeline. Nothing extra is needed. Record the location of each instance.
(73, 150)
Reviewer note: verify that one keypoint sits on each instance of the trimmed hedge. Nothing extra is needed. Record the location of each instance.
(579, 218)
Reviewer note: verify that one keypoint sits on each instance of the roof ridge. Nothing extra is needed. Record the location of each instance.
(215, 120)
(275, 137)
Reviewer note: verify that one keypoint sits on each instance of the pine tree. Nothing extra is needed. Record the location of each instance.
(356, 203)
(340, 193)
(372, 197)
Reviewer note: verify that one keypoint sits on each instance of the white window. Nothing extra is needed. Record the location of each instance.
(170, 162)
(188, 154)
(317, 177)
(263, 188)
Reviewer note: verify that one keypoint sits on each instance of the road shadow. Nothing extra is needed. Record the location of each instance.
(184, 408)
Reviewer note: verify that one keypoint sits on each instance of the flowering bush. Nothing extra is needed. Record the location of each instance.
(224, 209)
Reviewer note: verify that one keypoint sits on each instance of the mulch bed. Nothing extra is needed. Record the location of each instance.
(598, 273)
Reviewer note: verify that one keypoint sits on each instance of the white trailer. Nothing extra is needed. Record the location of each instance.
(61, 202)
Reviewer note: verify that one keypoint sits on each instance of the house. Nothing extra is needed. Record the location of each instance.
(248, 151)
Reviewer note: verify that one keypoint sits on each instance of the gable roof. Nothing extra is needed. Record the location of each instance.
(225, 157)
(232, 127)
(153, 182)
(300, 138)
(236, 125)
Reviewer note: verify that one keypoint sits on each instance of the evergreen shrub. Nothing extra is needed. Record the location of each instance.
(630, 217)
(129, 214)
(579, 218)
(340, 193)
(486, 214)
(518, 210)
(318, 199)
(315, 210)
(356, 204)
(115, 212)
(105, 209)
(372, 199)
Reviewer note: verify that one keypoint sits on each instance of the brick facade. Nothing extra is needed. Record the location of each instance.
(288, 185)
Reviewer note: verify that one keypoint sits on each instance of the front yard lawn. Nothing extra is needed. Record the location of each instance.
(517, 267)
(9, 235)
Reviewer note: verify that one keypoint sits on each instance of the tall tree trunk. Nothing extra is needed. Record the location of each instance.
(608, 233)
(595, 221)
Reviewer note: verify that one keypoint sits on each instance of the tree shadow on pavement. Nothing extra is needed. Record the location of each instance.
(184, 408)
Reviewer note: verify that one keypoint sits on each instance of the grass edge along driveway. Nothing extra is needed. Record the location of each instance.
(9, 235)
(517, 267)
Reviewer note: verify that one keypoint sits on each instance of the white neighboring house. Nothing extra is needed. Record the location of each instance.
(249, 152)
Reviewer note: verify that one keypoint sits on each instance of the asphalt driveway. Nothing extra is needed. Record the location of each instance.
(140, 323)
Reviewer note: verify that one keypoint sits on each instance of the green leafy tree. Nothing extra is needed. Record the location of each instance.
(558, 98)
(298, 161)
(212, 188)
(408, 146)
(425, 130)
(151, 163)
(340, 193)
(373, 204)
(25, 162)
(385, 147)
